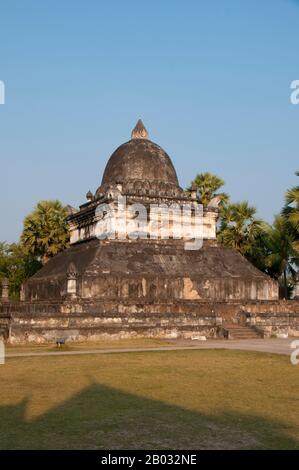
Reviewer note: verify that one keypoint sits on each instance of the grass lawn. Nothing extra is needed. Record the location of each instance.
(79, 346)
(160, 400)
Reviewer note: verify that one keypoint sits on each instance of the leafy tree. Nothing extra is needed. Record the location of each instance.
(46, 230)
(282, 256)
(4, 252)
(258, 250)
(45, 233)
(291, 213)
(239, 227)
(208, 186)
(272, 249)
(17, 266)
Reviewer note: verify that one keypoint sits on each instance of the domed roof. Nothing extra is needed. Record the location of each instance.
(139, 160)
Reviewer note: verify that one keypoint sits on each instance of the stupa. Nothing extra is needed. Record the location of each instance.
(151, 268)
(146, 281)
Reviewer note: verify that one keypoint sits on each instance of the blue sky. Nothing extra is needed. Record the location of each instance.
(210, 79)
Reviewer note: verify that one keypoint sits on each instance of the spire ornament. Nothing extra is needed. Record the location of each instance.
(139, 131)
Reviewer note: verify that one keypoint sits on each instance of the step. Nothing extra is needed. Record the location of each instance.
(241, 332)
(244, 336)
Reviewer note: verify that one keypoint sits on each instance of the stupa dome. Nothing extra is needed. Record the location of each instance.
(140, 161)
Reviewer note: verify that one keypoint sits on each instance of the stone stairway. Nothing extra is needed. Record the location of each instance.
(235, 331)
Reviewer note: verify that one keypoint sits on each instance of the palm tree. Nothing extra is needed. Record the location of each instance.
(291, 212)
(239, 227)
(282, 256)
(208, 185)
(46, 231)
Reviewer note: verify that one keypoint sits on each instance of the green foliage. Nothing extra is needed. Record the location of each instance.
(45, 233)
(240, 228)
(46, 230)
(270, 248)
(17, 266)
(4, 249)
(282, 257)
(291, 213)
(281, 249)
(208, 186)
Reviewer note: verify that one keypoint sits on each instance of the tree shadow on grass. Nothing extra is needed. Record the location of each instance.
(100, 417)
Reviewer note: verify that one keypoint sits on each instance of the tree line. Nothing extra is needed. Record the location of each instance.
(274, 249)
(45, 233)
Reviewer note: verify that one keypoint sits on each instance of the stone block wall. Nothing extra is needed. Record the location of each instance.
(272, 318)
(43, 322)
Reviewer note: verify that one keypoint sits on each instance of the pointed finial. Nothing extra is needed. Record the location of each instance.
(139, 131)
(89, 196)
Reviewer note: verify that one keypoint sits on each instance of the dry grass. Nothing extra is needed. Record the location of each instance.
(79, 346)
(181, 399)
